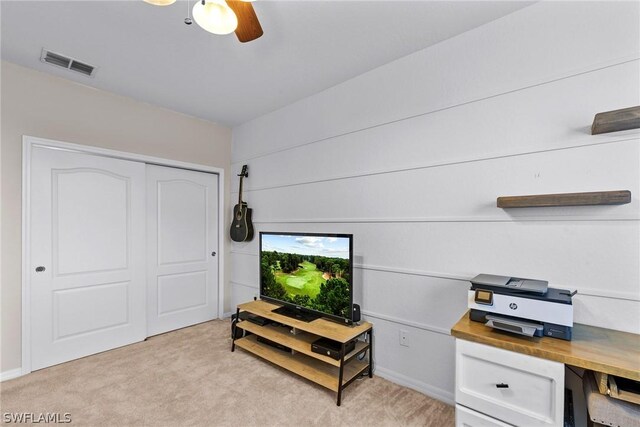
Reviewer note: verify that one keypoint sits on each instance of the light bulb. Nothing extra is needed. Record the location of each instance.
(215, 17)
(160, 2)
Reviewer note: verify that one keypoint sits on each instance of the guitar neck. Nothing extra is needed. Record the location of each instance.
(242, 175)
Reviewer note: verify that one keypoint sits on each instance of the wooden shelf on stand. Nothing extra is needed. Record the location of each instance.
(333, 374)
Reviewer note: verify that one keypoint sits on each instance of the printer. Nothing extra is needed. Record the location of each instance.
(523, 306)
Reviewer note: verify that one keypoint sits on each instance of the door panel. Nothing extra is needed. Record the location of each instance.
(181, 291)
(101, 220)
(182, 233)
(182, 221)
(87, 229)
(89, 309)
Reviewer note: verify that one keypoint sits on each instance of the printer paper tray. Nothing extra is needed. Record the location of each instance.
(528, 329)
(515, 325)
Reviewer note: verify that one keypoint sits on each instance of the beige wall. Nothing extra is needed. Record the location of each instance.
(37, 104)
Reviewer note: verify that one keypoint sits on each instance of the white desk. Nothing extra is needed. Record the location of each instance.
(505, 378)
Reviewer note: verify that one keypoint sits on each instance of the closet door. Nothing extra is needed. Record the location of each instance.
(86, 260)
(182, 245)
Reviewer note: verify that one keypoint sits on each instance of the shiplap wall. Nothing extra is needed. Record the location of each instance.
(411, 156)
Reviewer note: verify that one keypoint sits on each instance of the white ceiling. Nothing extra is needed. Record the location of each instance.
(147, 52)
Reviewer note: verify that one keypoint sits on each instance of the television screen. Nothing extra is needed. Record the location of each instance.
(308, 271)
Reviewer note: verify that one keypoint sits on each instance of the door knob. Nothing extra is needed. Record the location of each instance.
(213, 253)
(40, 269)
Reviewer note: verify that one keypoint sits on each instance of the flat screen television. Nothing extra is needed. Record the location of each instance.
(308, 274)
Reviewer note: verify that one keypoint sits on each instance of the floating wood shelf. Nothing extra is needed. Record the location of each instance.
(566, 199)
(616, 120)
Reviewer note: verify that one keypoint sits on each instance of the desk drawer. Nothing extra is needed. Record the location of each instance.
(466, 417)
(512, 387)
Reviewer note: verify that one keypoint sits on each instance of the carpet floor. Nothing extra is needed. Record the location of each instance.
(190, 377)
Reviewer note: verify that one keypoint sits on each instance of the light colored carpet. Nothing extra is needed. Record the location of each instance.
(190, 377)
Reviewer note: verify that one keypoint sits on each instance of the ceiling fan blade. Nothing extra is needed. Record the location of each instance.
(248, 25)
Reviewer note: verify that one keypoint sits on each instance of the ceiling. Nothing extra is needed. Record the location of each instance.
(147, 52)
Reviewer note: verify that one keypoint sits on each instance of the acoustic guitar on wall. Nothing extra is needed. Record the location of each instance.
(241, 227)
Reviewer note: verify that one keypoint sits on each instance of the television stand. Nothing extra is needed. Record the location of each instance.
(333, 374)
(296, 314)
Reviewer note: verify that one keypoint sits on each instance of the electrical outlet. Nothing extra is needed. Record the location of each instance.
(404, 338)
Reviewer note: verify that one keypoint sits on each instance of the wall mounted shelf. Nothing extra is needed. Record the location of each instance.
(616, 120)
(566, 199)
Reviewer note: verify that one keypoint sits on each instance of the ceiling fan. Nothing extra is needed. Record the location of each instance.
(223, 17)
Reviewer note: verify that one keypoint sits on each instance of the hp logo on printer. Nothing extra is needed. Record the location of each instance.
(513, 306)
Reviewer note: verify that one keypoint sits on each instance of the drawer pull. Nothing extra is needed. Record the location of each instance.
(502, 385)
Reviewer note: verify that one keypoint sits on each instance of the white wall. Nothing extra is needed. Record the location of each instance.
(410, 158)
(38, 104)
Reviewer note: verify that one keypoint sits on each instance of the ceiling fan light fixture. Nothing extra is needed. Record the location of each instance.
(215, 16)
(160, 2)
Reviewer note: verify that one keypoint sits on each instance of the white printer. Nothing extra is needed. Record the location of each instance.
(523, 306)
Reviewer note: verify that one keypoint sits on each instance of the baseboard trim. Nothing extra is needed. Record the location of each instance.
(422, 387)
(11, 374)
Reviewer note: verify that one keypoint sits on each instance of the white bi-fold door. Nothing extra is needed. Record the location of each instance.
(117, 251)
(87, 262)
(182, 236)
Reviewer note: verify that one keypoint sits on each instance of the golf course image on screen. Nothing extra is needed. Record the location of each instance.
(308, 271)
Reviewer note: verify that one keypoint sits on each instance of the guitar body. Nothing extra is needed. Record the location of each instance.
(241, 227)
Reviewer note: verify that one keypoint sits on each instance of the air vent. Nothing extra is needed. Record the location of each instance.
(67, 62)
(82, 68)
(55, 59)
